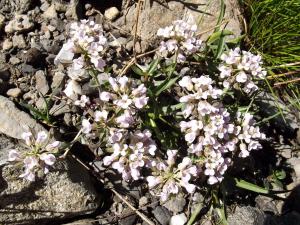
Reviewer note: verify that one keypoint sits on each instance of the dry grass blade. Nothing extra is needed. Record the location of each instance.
(138, 11)
(286, 82)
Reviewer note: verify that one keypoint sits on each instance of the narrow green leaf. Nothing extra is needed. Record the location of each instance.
(153, 66)
(137, 70)
(250, 186)
(217, 35)
(165, 85)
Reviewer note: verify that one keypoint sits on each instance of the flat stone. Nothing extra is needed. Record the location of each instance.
(179, 219)
(33, 56)
(65, 192)
(14, 92)
(246, 215)
(14, 122)
(162, 215)
(175, 204)
(20, 23)
(41, 83)
(150, 19)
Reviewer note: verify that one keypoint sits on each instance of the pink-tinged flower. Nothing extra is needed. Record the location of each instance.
(190, 188)
(13, 155)
(41, 138)
(153, 181)
(140, 102)
(28, 175)
(98, 63)
(86, 126)
(212, 180)
(108, 160)
(241, 77)
(49, 159)
(27, 137)
(105, 96)
(30, 162)
(123, 81)
(101, 115)
(125, 120)
(53, 145)
(124, 102)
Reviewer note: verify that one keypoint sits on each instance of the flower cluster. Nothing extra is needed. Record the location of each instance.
(39, 157)
(209, 132)
(130, 159)
(117, 106)
(170, 178)
(240, 70)
(182, 40)
(88, 40)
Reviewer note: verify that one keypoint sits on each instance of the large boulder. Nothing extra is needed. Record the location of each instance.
(156, 14)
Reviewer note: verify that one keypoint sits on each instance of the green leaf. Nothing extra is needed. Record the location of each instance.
(137, 70)
(165, 85)
(217, 35)
(280, 174)
(250, 186)
(153, 66)
(221, 15)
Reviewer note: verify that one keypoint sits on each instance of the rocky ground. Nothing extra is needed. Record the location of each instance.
(31, 34)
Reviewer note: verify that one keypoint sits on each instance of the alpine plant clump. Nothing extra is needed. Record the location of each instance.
(115, 115)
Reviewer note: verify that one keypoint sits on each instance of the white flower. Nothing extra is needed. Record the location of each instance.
(83, 101)
(241, 77)
(86, 126)
(105, 96)
(30, 162)
(27, 137)
(28, 175)
(49, 159)
(140, 102)
(13, 155)
(42, 136)
(101, 115)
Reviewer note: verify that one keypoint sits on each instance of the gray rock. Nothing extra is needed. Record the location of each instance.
(41, 83)
(16, 6)
(150, 19)
(121, 41)
(58, 81)
(20, 23)
(2, 21)
(128, 220)
(14, 60)
(60, 108)
(14, 92)
(269, 106)
(175, 204)
(7, 44)
(6, 144)
(14, 122)
(111, 13)
(25, 68)
(246, 215)
(19, 41)
(266, 204)
(143, 201)
(162, 215)
(65, 192)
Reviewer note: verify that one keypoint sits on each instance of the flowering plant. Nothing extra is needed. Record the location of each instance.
(140, 117)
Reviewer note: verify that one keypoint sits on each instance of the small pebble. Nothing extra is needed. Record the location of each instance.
(14, 92)
(111, 13)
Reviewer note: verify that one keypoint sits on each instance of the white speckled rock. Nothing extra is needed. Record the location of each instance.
(65, 192)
